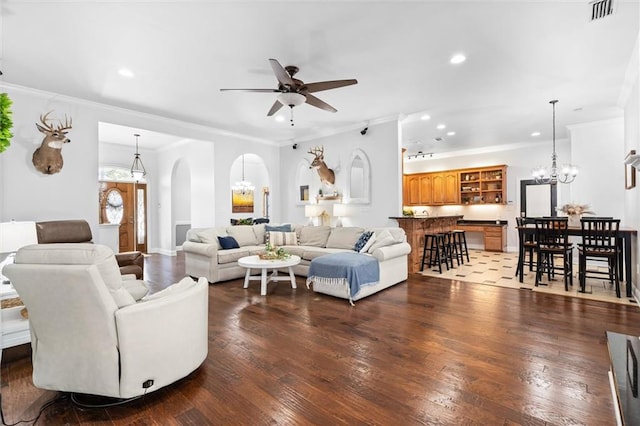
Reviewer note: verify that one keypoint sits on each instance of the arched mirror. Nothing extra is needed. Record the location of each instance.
(359, 178)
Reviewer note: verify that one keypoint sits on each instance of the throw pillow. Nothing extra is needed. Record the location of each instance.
(344, 237)
(315, 236)
(277, 228)
(382, 240)
(283, 238)
(280, 228)
(369, 243)
(228, 243)
(244, 235)
(364, 238)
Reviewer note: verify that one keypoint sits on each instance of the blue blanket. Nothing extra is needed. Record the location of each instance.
(356, 269)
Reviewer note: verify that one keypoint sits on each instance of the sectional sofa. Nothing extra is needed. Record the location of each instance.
(205, 256)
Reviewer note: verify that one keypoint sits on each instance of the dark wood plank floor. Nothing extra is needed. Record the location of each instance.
(427, 351)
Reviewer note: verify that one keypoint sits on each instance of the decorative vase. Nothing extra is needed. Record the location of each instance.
(574, 220)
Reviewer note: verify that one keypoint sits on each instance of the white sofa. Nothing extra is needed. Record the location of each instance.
(204, 256)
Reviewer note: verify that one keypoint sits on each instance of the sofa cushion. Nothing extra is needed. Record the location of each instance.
(283, 238)
(397, 233)
(344, 238)
(207, 236)
(243, 234)
(260, 233)
(362, 241)
(315, 236)
(311, 253)
(383, 239)
(231, 255)
(228, 243)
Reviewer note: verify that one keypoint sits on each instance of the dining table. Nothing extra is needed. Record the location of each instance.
(626, 236)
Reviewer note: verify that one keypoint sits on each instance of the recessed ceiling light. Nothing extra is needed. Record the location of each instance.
(425, 117)
(279, 118)
(451, 133)
(458, 58)
(534, 134)
(127, 73)
(441, 126)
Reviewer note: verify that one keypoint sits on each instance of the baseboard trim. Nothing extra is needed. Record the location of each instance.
(163, 251)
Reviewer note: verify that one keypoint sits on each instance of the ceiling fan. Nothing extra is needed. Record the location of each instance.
(294, 92)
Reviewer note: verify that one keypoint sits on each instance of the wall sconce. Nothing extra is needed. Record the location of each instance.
(339, 211)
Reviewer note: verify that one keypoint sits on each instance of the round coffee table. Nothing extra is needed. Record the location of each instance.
(254, 262)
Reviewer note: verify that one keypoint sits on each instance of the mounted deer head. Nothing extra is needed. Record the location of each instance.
(48, 158)
(327, 176)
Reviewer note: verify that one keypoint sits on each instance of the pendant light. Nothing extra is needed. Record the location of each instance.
(243, 186)
(568, 172)
(137, 168)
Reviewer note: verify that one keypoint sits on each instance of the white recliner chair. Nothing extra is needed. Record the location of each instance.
(89, 335)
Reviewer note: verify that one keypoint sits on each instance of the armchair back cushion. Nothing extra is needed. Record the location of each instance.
(63, 231)
(80, 254)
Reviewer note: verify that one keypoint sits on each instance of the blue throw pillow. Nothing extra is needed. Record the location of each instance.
(228, 243)
(362, 241)
(278, 228)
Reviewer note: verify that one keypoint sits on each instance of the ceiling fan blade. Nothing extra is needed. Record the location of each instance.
(313, 101)
(274, 108)
(281, 74)
(326, 85)
(252, 90)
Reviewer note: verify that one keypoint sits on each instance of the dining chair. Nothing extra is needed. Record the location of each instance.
(526, 245)
(552, 240)
(599, 243)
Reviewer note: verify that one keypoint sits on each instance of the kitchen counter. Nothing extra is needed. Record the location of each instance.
(483, 222)
(416, 226)
(494, 232)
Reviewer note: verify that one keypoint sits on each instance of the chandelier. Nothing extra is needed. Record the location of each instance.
(243, 186)
(137, 168)
(568, 172)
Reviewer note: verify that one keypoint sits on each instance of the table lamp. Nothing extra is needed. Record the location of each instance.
(339, 211)
(311, 211)
(13, 236)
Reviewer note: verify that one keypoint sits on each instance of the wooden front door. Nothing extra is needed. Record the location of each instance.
(119, 204)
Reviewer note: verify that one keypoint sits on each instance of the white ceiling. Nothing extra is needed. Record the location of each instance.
(519, 54)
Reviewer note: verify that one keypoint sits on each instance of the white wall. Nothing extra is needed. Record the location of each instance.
(598, 149)
(26, 194)
(383, 150)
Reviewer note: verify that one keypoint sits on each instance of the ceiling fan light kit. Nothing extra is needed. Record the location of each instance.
(293, 92)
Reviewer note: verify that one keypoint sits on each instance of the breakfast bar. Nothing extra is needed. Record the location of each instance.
(416, 226)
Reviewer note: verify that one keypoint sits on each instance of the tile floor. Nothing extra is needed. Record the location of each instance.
(499, 269)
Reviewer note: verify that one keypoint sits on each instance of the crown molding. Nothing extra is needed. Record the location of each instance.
(144, 115)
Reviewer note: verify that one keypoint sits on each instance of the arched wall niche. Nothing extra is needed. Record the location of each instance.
(359, 178)
(256, 174)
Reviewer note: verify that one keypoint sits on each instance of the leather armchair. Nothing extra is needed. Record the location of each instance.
(79, 231)
(88, 333)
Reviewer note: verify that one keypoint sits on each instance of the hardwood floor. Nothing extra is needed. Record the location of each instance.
(427, 351)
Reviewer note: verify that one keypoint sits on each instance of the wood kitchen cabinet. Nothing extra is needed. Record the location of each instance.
(486, 185)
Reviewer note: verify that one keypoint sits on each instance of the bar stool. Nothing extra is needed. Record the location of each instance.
(460, 242)
(435, 245)
(451, 248)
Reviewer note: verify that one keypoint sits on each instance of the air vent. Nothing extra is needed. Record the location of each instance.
(601, 8)
(438, 139)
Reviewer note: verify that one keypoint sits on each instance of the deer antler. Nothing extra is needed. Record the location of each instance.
(67, 124)
(317, 151)
(43, 120)
(60, 127)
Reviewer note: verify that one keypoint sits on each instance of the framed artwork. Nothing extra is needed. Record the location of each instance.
(304, 193)
(242, 201)
(630, 173)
